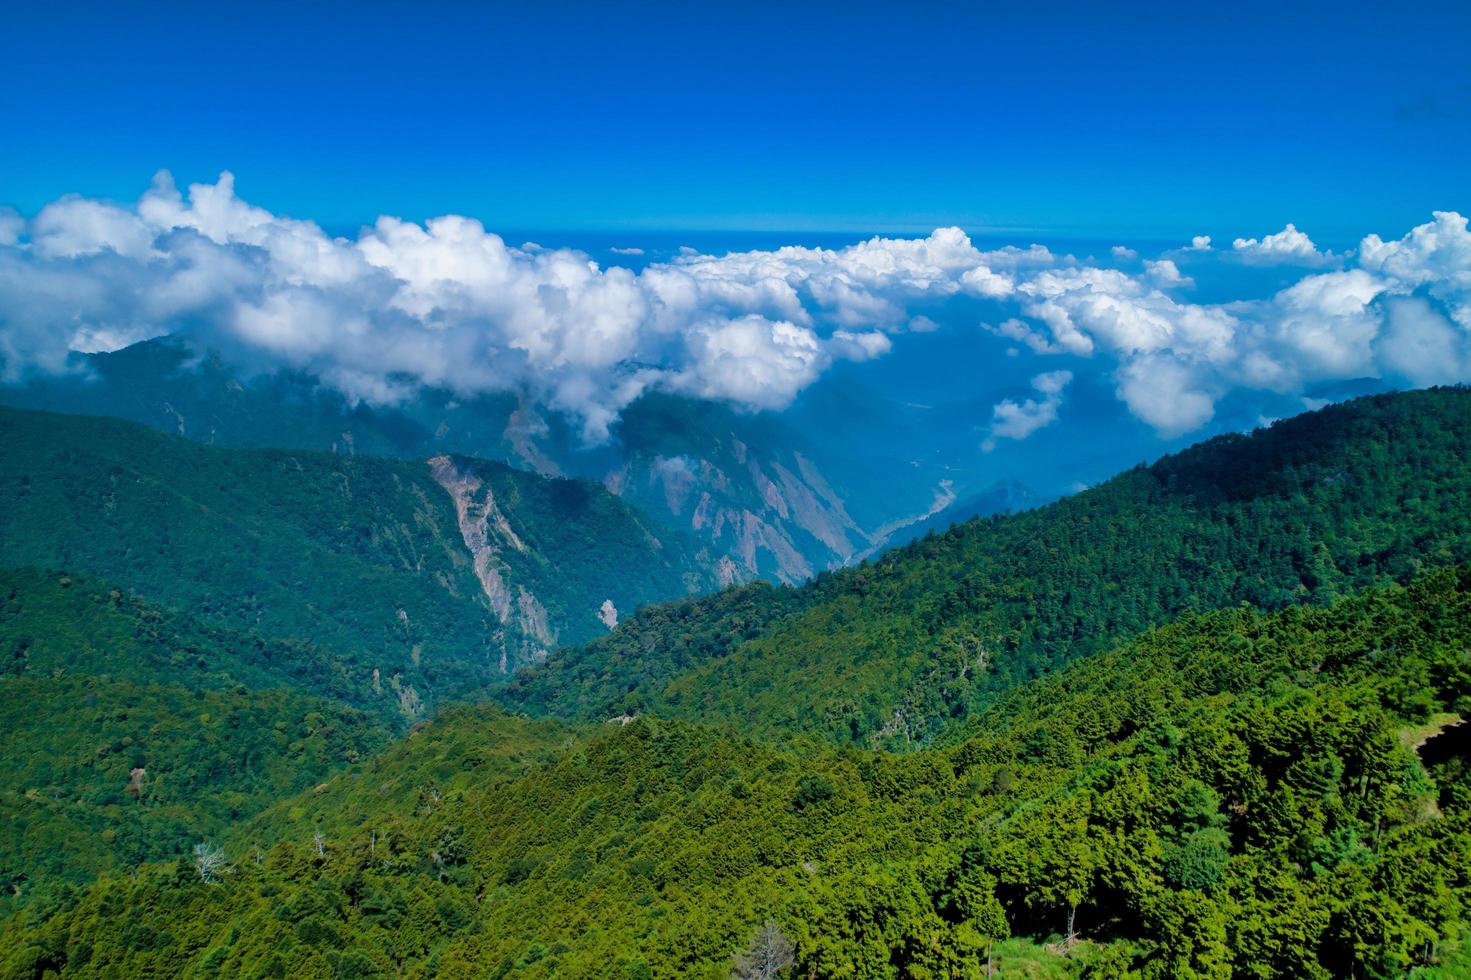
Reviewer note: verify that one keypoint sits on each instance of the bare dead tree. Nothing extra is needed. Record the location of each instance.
(210, 862)
(769, 955)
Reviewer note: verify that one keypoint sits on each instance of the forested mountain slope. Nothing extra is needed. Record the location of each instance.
(895, 651)
(127, 732)
(1236, 794)
(430, 578)
(758, 492)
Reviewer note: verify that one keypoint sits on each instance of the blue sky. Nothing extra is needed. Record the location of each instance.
(671, 161)
(1153, 121)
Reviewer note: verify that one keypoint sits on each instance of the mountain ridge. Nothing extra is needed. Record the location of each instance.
(896, 649)
(752, 487)
(364, 554)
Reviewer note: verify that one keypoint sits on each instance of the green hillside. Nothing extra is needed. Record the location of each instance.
(429, 578)
(1236, 794)
(895, 651)
(127, 732)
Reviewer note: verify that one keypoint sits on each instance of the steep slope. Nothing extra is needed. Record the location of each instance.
(739, 482)
(755, 490)
(896, 650)
(1231, 795)
(128, 732)
(430, 577)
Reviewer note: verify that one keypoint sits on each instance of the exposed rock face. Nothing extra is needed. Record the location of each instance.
(486, 532)
(768, 517)
(522, 430)
(727, 572)
(409, 702)
(608, 614)
(533, 617)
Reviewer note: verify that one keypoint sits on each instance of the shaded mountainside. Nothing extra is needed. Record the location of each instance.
(127, 732)
(1232, 795)
(897, 650)
(754, 489)
(429, 577)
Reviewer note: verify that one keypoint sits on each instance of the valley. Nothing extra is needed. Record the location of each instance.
(1157, 728)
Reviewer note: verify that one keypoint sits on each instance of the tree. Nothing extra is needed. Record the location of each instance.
(973, 897)
(769, 955)
(210, 862)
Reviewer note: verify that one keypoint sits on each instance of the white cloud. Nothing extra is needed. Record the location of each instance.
(1165, 393)
(73, 226)
(1011, 419)
(616, 250)
(1166, 273)
(451, 305)
(1288, 245)
(1175, 359)
(1123, 254)
(1435, 256)
(753, 360)
(863, 346)
(1019, 330)
(1422, 345)
(1200, 243)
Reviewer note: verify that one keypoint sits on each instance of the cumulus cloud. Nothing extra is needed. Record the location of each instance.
(1436, 255)
(449, 304)
(617, 250)
(1166, 393)
(1011, 419)
(1404, 313)
(1165, 273)
(1123, 253)
(74, 226)
(1022, 332)
(1200, 243)
(1422, 345)
(1287, 246)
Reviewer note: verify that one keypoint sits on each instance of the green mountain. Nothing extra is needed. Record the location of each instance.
(1237, 794)
(897, 650)
(428, 578)
(127, 731)
(1203, 720)
(768, 498)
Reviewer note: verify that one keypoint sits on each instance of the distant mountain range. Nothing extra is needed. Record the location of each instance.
(836, 478)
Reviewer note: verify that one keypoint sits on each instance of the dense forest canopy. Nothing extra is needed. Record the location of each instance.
(1203, 720)
(896, 650)
(390, 563)
(126, 731)
(1236, 794)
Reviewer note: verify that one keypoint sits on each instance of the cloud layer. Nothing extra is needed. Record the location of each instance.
(1012, 419)
(451, 305)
